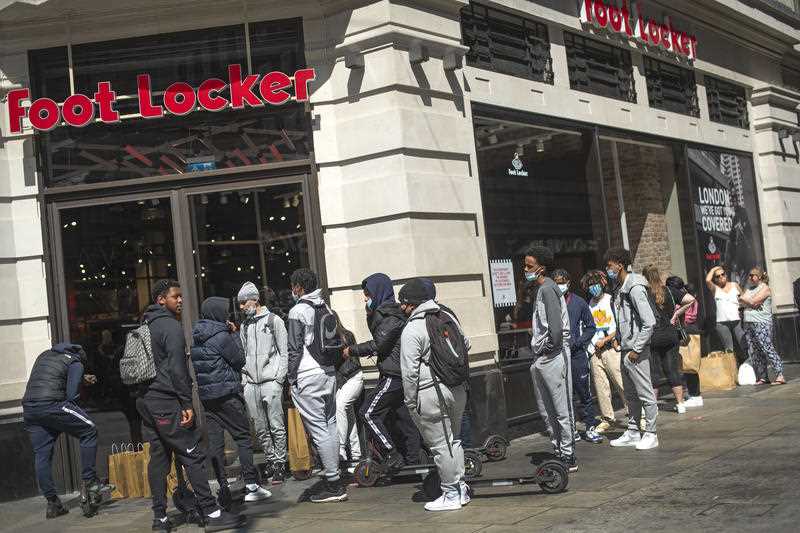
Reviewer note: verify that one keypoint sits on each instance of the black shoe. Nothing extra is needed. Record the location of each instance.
(224, 521)
(55, 509)
(224, 497)
(570, 462)
(163, 525)
(333, 491)
(395, 461)
(278, 473)
(269, 471)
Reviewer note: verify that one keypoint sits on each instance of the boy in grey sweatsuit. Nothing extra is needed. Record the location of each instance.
(264, 340)
(438, 419)
(551, 369)
(635, 323)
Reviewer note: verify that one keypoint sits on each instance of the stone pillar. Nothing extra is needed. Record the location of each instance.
(24, 329)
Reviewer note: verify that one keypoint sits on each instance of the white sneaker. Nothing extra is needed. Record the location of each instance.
(629, 438)
(694, 401)
(465, 497)
(680, 408)
(256, 493)
(648, 442)
(448, 501)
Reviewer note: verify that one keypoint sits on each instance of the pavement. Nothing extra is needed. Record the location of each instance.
(729, 466)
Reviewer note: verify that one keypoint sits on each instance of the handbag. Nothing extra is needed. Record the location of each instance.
(299, 452)
(683, 337)
(718, 371)
(691, 354)
(127, 470)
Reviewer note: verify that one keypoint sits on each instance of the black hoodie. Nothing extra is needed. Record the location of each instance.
(172, 379)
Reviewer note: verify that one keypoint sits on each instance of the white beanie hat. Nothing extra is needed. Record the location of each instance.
(248, 292)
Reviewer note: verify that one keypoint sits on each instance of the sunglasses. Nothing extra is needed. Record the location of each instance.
(753, 275)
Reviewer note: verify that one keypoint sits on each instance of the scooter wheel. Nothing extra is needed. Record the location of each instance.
(366, 474)
(432, 485)
(496, 448)
(472, 464)
(552, 477)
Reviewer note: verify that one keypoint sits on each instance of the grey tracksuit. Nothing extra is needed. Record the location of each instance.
(635, 329)
(423, 401)
(264, 373)
(551, 369)
(313, 386)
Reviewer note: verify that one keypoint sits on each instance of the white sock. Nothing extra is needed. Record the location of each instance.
(252, 486)
(215, 514)
(163, 520)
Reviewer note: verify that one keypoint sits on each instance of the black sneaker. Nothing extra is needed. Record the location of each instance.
(55, 509)
(163, 524)
(395, 461)
(333, 491)
(279, 474)
(269, 471)
(224, 521)
(570, 462)
(224, 497)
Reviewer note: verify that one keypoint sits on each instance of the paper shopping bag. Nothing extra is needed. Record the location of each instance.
(718, 371)
(299, 453)
(690, 355)
(127, 470)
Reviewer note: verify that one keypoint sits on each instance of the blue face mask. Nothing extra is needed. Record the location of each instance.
(531, 276)
(596, 290)
(295, 297)
(612, 274)
(369, 304)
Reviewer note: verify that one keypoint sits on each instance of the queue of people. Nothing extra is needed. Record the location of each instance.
(624, 340)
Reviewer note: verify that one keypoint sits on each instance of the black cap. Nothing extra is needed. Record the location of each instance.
(414, 292)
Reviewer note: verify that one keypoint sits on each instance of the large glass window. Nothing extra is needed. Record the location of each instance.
(671, 87)
(599, 68)
(202, 140)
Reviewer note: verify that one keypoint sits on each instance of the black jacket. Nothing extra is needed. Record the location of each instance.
(218, 358)
(347, 368)
(172, 379)
(49, 380)
(386, 324)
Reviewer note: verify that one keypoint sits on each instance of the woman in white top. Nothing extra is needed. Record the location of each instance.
(726, 296)
(757, 303)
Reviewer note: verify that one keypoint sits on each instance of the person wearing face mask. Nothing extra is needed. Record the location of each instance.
(605, 359)
(635, 324)
(264, 338)
(551, 369)
(385, 321)
(582, 330)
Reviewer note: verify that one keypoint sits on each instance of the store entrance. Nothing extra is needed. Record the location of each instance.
(109, 252)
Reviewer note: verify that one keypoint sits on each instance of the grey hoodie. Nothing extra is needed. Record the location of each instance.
(266, 357)
(634, 334)
(550, 323)
(415, 351)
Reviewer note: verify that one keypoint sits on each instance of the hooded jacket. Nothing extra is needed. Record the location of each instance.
(172, 379)
(385, 324)
(56, 376)
(265, 348)
(216, 352)
(635, 326)
(550, 322)
(415, 352)
(301, 336)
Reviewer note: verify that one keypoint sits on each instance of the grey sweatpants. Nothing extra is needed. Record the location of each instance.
(446, 449)
(314, 395)
(639, 394)
(552, 383)
(265, 405)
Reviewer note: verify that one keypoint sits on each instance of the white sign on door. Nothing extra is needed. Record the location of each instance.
(503, 288)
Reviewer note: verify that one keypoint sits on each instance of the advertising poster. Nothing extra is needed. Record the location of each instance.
(726, 212)
(502, 270)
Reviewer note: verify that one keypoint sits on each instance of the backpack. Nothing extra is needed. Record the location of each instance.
(327, 346)
(137, 364)
(449, 359)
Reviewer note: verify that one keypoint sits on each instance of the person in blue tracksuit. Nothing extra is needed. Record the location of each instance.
(582, 330)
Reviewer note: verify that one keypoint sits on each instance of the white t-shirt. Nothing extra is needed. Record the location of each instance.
(603, 319)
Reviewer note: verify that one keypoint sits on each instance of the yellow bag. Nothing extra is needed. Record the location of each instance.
(718, 371)
(299, 453)
(127, 470)
(690, 355)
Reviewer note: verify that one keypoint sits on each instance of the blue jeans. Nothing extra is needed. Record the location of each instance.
(582, 386)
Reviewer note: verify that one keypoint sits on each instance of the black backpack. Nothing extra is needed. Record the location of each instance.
(327, 346)
(449, 359)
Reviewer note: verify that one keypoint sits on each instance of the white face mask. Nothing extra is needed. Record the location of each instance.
(563, 287)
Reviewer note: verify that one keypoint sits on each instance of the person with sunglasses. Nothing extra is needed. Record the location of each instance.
(757, 303)
(726, 298)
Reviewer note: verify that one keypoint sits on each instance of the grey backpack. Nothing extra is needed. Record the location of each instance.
(137, 364)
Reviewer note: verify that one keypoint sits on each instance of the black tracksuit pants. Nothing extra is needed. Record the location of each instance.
(229, 414)
(161, 419)
(388, 397)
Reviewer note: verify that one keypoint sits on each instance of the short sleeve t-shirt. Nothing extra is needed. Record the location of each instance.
(603, 317)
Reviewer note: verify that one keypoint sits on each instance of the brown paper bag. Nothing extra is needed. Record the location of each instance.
(116, 472)
(299, 453)
(127, 470)
(718, 371)
(690, 355)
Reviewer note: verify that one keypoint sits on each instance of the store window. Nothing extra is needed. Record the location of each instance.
(671, 87)
(202, 140)
(727, 103)
(506, 43)
(599, 68)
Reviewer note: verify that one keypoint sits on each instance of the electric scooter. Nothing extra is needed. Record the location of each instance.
(494, 449)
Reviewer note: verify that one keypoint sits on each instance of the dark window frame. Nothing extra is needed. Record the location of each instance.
(671, 87)
(490, 35)
(587, 68)
(727, 103)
